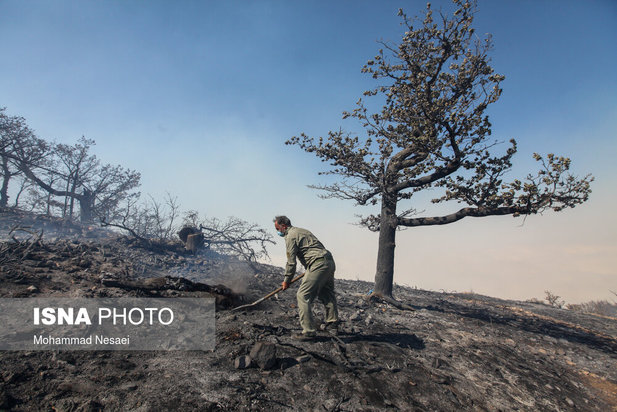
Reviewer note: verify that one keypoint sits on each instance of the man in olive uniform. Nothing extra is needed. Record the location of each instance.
(318, 281)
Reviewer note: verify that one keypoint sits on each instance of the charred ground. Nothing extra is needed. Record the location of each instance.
(454, 352)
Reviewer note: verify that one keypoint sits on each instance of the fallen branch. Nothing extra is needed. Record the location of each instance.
(123, 226)
(24, 246)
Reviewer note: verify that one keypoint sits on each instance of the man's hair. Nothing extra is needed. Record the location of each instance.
(282, 220)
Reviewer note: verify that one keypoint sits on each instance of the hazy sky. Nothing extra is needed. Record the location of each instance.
(200, 96)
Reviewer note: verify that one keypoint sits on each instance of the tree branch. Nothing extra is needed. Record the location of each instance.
(428, 179)
(462, 213)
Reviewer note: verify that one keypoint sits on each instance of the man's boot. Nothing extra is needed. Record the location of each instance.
(304, 337)
(331, 328)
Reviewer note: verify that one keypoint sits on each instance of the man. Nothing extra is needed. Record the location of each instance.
(318, 281)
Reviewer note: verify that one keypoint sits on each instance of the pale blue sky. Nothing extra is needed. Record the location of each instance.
(199, 96)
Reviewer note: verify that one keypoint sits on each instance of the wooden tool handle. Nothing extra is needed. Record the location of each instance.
(269, 295)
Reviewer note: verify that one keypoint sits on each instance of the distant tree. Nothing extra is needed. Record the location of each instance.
(76, 166)
(150, 221)
(15, 137)
(236, 237)
(554, 300)
(164, 216)
(40, 200)
(106, 190)
(70, 172)
(24, 186)
(153, 223)
(231, 237)
(74, 174)
(433, 132)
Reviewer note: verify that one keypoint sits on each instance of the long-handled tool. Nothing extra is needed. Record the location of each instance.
(268, 296)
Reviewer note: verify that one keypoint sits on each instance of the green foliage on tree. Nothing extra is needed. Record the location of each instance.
(432, 131)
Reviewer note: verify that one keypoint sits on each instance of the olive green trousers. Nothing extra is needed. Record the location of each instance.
(318, 282)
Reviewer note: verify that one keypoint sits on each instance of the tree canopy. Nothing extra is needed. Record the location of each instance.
(433, 131)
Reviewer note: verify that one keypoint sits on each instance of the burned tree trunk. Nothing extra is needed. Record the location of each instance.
(86, 206)
(195, 242)
(193, 238)
(6, 176)
(184, 233)
(385, 255)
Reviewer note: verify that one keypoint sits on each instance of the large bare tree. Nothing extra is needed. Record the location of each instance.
(77, 166)
(432, 131)
(61, 170)
(16, 138)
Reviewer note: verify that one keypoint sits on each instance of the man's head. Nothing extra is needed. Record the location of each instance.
(281, 223)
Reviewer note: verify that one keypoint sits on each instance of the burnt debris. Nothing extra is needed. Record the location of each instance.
(454, 352)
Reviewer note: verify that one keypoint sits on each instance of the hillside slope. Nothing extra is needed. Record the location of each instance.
(454, 352)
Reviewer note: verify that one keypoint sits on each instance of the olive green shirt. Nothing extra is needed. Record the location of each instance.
(301, 244)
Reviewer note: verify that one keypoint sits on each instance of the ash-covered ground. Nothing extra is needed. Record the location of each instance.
(454, 352)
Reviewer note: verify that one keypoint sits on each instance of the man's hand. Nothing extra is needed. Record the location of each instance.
(284, 285)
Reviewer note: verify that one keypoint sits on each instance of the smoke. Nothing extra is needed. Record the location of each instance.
(236, 276)
(22, 226)
(230, 272)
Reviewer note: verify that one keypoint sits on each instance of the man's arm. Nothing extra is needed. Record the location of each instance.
(290, 268)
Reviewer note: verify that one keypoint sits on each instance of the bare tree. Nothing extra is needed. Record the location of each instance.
(231, 237)
(42, 201)
(7, 129)
(111, 185)
(553, 299)
(150, 221)
(236, 237)
(433, 132)
(77, 166)
(154, 221)
(99, 189)
(15, 137)
(131, 217)
(164, 216)
(24, 186)
(67, 171)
